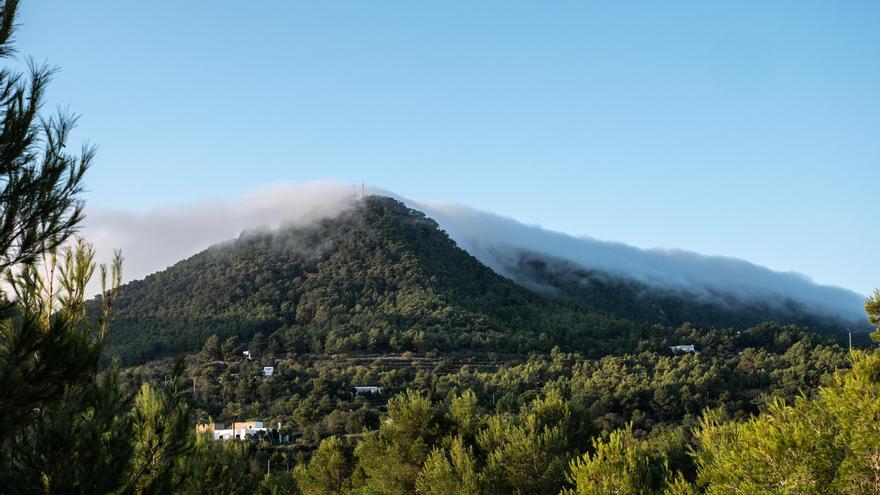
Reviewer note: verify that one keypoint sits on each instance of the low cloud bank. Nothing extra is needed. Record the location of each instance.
(156, 239)
(494, 240)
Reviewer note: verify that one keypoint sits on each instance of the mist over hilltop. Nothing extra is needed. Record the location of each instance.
(158, 238)
(501, 242)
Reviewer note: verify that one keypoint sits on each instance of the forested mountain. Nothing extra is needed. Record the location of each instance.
(383, 277)
(637, 301)
(490, 385)
(385, 360)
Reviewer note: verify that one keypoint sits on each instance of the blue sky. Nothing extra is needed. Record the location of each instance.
(747, 129)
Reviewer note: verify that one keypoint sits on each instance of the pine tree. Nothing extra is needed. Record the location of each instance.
(450, 473)
(211, 350)
(392, 457)
(40, 209)
(328, 472)
(621, 464)
(230, 348)
(827, 444)
(162, 434)
(220, 468)
(257, 345)
(872, 307)
(64, 428)
(527, 453)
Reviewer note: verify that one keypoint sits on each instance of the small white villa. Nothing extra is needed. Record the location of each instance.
(268, 370)
(683, 348)
(239, 430)
(368, 390)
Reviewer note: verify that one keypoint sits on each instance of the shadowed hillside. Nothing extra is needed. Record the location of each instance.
(638, 301)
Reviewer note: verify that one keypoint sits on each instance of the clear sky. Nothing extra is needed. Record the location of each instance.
(747, 129)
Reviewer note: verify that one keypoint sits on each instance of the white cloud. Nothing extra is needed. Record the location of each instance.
(153, 240)
(491, 238)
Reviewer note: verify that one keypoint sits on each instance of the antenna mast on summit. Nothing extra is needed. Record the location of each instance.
(363, 189)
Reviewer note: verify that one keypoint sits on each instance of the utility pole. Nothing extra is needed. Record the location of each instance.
(234, 417)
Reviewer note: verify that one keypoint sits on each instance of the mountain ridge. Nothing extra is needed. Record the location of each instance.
(497, 241)
(639, 301)
(377, 277)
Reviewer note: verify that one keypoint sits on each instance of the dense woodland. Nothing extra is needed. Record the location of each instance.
(384, 278)
(312, 394)
(488, 387)
(637, 301)
(379, 278)
(657, 398)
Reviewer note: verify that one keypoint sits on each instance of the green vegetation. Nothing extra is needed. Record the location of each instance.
(648, 423)
(313, 393)
(495, 424)
(487, 387)
(637, 301)
(380, 278)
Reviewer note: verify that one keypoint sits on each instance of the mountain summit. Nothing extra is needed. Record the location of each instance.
(378, 277)
(383, 277)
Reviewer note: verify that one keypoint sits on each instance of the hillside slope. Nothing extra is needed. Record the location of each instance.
(685, 285)
(637, 301)
(378, 277)
(382, 277)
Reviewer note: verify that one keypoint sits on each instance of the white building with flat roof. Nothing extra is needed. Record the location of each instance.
(368, 390)
(240, 430)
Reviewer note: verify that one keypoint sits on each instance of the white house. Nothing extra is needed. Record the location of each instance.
(683, 348)
(268, 370)
(368, 390)
(240, 430)
(247, 354)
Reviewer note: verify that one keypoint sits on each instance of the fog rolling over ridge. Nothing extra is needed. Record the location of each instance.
(498, 242)
(158, 238)
(501, 243)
